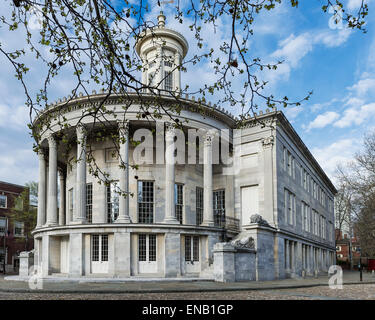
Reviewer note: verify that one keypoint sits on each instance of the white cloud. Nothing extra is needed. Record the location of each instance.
(14, 117)
(332, 38)
(339, 152)
(355, 4)
(356, 116)
(294, 48)
(293, 112)
(363, 86)
(354, 102)
(323, 120)
(19, 166)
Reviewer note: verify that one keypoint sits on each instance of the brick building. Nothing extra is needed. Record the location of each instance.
(348, 248)
(12, 231)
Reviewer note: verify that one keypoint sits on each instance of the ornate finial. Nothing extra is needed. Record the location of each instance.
(161, 20)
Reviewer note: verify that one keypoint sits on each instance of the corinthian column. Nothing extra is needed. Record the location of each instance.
(52, 182)
(80, 212)
(170, 212)
(41, 218)
(123, 216)
(208, 212)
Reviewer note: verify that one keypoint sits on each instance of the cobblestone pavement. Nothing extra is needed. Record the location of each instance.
(349, 292)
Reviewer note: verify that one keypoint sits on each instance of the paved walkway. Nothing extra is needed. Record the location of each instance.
(91, 285)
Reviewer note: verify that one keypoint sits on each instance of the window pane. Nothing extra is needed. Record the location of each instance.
(219, 207)
(104, 247)
(168, 83)
(196, 248)
(187, 248)
(89, 202)
(95, 247)
(3, 201)
(152, 247)
(145, 201)
(142, 247)
(199, 205)
(178, 188)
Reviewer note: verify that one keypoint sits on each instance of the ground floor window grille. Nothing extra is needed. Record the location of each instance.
(113, 194)
(147, 247)
(145, 201)
(179, 201)
(199, 206)
(219, 207)
(104, 247)
(89, 202)
(191, 248)
(95, 247)
(99, 247)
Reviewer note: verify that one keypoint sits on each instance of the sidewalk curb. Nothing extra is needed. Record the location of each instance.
(143, 291)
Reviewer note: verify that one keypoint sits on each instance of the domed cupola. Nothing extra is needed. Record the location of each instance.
(162, 50)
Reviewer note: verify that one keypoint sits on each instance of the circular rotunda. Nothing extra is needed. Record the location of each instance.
(136, 212)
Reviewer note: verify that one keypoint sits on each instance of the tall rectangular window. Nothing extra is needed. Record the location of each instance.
(89, 202)
(293, 168)
(3, 225)
(285, 158)
(146, 247)
(187, 248)
(18, 229)
(152, 247)
(145, 201)
(289, 206)
(289, 163)
(199, 205)
(71, 203)
(168, 80)
(142, 247)
(104, 247)
(219, 207)
(195, 248)
(191, 248)
(3, 201)
(95, 247)
(179, 201)
(113, 197)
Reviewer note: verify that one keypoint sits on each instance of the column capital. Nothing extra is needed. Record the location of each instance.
(170, 130)
(123, 124)
(209, 137)
(268, 141)
(41, 154)
(81, 131)
(52, 143)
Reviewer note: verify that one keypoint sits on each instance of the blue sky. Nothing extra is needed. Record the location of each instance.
(337, 64)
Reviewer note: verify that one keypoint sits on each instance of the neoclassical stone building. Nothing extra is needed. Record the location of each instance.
(274, 191)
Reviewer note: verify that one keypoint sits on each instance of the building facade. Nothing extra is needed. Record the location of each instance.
(13, 237)
(176, 211)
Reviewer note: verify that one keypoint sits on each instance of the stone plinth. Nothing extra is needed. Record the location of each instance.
(233, 264)
(26, 261)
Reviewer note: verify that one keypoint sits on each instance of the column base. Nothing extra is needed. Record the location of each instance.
(171, 221)
(78, 222)
(208, 224)
(123, 220)
(51, 224)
